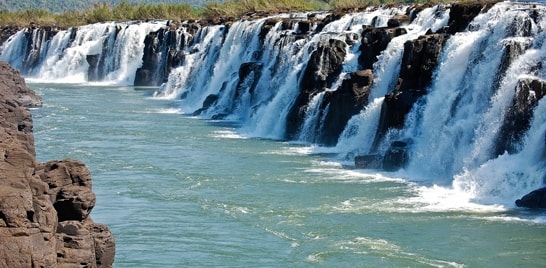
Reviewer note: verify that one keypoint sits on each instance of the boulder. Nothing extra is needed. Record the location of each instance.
(371, 161)
(534, 199)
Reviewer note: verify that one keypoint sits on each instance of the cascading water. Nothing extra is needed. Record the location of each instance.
(362, 127)
(456, 127)
(289, 77)
(116, 47)
(199, 58)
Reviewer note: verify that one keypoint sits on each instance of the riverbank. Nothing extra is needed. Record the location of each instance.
(44, 207)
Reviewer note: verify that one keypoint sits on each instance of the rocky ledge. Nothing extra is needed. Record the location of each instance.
(44, 207)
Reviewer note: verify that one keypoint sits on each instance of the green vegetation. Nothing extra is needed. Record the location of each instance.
(231, 9)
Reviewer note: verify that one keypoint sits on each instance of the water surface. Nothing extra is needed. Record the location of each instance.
(182, 192)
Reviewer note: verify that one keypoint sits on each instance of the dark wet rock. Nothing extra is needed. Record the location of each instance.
(396, 156)
(374, 41)
(249, 74)
(209, 101)
(461, 14)
(92, 72)
(519, 114)
(418, 63)
(324, 66)
(534, 199)
(161, 55)
(371, 161)
(398, 20)
(343, 103)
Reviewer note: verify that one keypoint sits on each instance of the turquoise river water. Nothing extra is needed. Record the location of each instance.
(182, 192)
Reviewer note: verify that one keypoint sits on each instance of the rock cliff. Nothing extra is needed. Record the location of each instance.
(44, 207)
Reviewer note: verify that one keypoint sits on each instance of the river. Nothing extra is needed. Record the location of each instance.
(178, 191)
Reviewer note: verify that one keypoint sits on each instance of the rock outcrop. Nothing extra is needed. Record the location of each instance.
(44, 207)
(324, 66)
(518, 115)
(418, 63)
(346, 101)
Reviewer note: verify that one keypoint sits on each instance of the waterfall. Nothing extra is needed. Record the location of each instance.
(116, 50)
(198, 61)
(464, 109)
(363, 126)
(457, 88)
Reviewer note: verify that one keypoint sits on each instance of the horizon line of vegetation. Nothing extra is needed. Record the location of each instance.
(231, 9)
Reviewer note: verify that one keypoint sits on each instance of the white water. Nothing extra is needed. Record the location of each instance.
(453, 129)
(63, 58)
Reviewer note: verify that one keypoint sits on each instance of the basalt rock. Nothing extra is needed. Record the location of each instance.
(324, 66)
(92, 72)
(396, 157)
(374, 41)
(207, 103)
(44, 208)
(398, 20)
(518, 115)
(343, 103)
(249, 75)
(7, 31)
(534, 199)
(38, 37)
(161, 55)
(418, 63)
(370, 161)
(461, 14)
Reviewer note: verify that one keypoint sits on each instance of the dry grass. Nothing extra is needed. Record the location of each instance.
(230, 9)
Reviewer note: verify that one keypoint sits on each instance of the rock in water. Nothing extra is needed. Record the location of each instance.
(534, 199)
(44, 208)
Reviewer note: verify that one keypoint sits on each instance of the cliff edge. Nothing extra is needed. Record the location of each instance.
(44, 207)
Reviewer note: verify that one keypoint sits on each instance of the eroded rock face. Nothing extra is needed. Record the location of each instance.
(44, 208)
(518, 115)
(418, 63)
(324, 66)
(374, 41)
(346, 101)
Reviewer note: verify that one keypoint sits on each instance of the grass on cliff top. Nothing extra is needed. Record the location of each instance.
(232, 9)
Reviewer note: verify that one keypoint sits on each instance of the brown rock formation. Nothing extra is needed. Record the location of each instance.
(44, 208)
